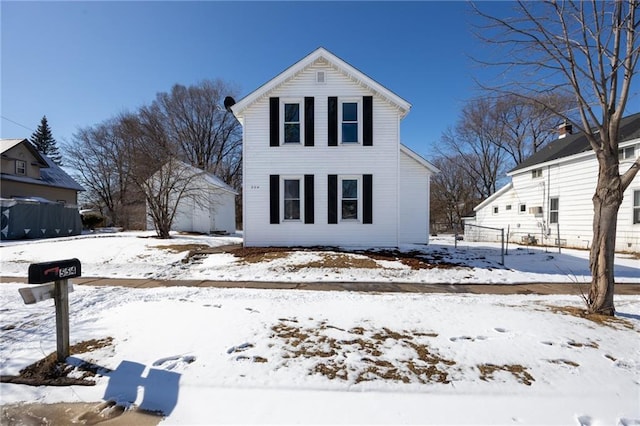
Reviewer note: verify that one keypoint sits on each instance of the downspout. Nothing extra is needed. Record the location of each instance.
(398, 177)
(548, 230)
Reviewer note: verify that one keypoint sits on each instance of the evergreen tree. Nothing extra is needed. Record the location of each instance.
(44, 142)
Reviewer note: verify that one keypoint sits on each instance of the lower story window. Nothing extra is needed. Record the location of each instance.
(554, 204)
(636, 207)
(292, 199)
(349, 199)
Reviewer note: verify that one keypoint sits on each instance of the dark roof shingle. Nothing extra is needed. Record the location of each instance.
(575, 144)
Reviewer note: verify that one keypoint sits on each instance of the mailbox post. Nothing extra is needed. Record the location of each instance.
(58, 272)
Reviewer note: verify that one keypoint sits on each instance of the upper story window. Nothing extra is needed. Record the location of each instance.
(537, 173)
(349, 122)
(522, 208)
(292, 122)
(21, 167)
(627, 153)
(496, 210)
(636, 207)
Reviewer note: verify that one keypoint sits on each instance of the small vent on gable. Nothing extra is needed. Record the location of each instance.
(320, 78)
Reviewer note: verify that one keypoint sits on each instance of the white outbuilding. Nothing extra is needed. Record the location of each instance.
(206, 204)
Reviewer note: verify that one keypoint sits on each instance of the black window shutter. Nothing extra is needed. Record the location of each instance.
(333, 120)
(274, 121)
(367, 120)
(308, 199)
(367, 198)
(274, 199)
(333, 199)
(309, 116)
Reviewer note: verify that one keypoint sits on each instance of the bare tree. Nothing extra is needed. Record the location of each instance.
(527, 125)
(167, 188)
(98, 155)
(589, 49)
(476, 138)
(208, 136)
(453, 194)
(148, 157)
(164, 180)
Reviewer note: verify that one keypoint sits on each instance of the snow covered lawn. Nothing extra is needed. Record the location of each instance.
(139, 255)
(241, 356)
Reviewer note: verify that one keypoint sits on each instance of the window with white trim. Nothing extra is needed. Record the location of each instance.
(349, 198)
(21, 167)
(496, 209)
(554, 207)
(537, 173)
(292, 196)
(292, 122)
(627, 153)
(350, 115)
(522, 208)
(636, 207)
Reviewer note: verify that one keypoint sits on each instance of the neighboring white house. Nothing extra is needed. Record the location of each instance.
(207, 205)
(323, 163)
(553, 189)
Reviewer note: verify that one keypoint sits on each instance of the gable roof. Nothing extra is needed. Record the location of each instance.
(321, 54)
(578, 143)
(50, 173)
(207, 176)
(7, 144)
(55, 176)
(493, 196)
(417, 157)
(52, 176)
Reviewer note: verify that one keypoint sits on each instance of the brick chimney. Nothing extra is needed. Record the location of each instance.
(564, 129)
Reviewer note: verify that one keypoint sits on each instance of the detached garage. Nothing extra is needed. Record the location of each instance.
(207, 205)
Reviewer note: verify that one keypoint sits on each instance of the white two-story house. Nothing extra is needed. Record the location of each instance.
(323, 163)
(549, 198)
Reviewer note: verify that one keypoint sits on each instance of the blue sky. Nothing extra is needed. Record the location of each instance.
(80, 63)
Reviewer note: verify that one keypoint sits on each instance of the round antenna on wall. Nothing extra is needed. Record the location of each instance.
(228, 103)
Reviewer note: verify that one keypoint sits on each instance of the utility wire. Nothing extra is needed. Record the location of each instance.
(16, 123)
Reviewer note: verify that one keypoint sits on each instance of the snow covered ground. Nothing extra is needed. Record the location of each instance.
(138, 255)
(241, 356)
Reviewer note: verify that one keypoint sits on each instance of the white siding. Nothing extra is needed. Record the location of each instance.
(573, 181)
(414, 201)
(211, 212)
(261, 160)
(224, 213)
